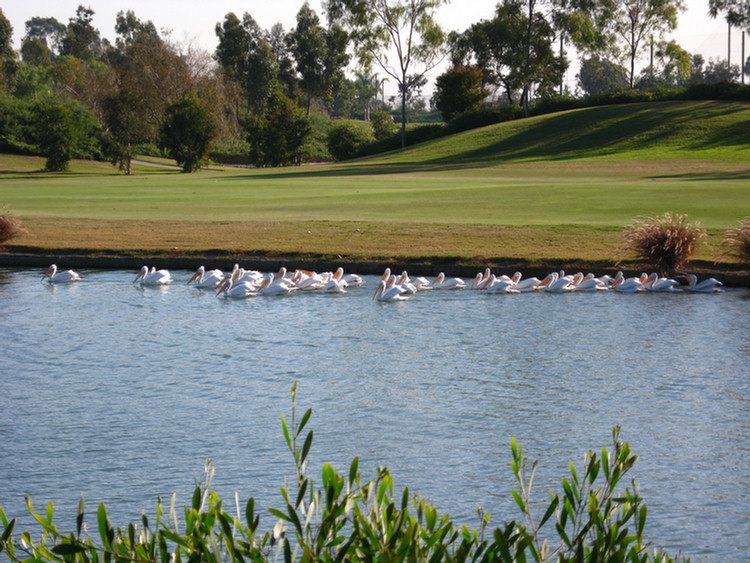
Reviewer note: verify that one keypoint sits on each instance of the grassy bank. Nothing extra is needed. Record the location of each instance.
(551, 188)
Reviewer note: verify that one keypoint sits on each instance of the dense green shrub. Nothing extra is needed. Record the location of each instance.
(383, 126)
(344, 519)
(346, 138)
(483, 117)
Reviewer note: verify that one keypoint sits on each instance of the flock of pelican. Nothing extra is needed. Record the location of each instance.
(243, 284)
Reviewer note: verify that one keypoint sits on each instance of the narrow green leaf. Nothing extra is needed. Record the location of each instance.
(286, 432)
(79, 517)
(550, 511)
(519, 500)
(167, 534)
(353, 469)
(197, 498)
(642, 519)
(105, 527)
(279, 514)
(301, 493)
(306, 446)
(68, 549)
(250, 513)
(304, 420)
(8, 530)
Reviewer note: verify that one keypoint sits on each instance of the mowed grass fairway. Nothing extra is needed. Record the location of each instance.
(557, 187)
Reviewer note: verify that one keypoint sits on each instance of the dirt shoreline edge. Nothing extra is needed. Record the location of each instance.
(730, 275)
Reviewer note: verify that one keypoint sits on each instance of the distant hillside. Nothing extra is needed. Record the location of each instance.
(711, 130)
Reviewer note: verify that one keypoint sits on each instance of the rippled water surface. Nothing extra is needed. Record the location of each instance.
(120, 394)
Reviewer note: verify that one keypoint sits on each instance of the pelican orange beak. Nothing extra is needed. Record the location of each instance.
(195, 277)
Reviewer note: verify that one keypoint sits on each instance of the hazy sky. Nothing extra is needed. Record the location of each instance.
(194, 20)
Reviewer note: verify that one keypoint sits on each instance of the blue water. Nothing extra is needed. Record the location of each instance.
(119, 394)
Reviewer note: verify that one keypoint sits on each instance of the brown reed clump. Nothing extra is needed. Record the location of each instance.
(738, 240)
(665, 241)
(10, 226)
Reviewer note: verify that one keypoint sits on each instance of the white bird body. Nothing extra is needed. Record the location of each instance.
(389, 292)
(153, 276)
(590, 283)
(305, 280)
(350, 279)
(235, 290)
(441, 282)
(210, 279)
(276, 284)
(658, 284)
(621, 284)
(498, 285)
(706, 286)
(66, 276)
(558, 284)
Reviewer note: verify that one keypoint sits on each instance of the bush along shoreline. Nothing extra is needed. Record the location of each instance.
(346, 519)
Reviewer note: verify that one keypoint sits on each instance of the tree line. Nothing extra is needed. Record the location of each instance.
(72, 93)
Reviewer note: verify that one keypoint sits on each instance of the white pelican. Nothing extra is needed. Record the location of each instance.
(589, 283)
(62, 277)
(235, 290)
(480, 279)
(335, 285)
(626, 285)
(555, 283)
(526, 285)
(306, 280)
(350, 279)
(419, 282)
(276, 285)
(389, 292)
(210, 279)
(706, 286)
(405, 282)
(153, 277)
(498, 285)
(441, 282)
(655, 283)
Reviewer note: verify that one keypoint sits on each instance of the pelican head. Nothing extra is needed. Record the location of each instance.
(143, 272)
(51, 271)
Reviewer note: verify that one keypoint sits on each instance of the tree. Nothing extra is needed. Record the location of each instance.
(47, 30)
(308, 45)
(35, 52)
(187, 131)
(277, 137)
(407, 27)
(637, 20)
(124, 126)
(736, 12)
(129, 27)
(233, 47)
(459, 89)
(82, 39)
(246, 56)
(514, 50)
(599, 76)
(8, 63)
(55, 131)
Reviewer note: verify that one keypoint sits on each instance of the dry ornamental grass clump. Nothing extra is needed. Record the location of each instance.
(738, 240)
(665, 241)
(10, 227)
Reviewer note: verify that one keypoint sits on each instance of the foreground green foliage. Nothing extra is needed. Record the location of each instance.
(346, 519)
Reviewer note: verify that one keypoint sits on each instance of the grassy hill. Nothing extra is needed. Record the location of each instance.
(558, 187)
(643, 131)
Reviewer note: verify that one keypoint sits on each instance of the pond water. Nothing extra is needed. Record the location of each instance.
(120, 393)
